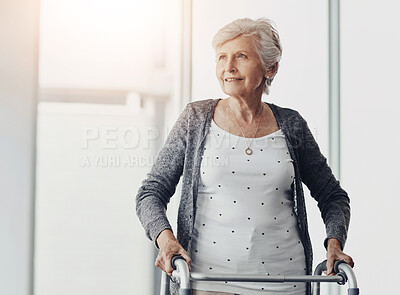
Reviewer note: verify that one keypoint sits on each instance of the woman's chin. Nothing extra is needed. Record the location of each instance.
(231, 91)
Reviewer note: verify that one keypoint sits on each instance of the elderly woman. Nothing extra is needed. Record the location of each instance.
(243, 161)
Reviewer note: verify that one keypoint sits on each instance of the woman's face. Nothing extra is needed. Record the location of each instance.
(239, 69)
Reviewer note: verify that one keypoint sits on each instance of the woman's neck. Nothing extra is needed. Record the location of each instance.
(245, 109)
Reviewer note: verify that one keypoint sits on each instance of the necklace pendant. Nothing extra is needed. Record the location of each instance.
(249, 151)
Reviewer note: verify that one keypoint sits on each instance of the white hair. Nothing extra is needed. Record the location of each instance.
(265, 39)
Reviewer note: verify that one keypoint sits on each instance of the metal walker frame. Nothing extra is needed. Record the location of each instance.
(344, 274)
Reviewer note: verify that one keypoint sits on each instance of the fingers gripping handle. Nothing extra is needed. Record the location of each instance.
(181, 272)
(335, 265)
(341, 268)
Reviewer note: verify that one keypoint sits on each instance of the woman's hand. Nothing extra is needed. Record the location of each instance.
(334, 252)
(169, 247)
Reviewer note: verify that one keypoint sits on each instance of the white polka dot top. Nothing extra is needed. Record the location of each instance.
(245, 221)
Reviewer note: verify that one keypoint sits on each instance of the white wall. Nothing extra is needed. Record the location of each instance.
(370, 114)
(89, 240)
(90, 163)
(18, 83)
(102, 44)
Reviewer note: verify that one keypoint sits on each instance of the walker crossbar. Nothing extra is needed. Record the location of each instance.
(265, 279)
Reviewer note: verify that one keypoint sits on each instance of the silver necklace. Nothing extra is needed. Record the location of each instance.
(248, 151)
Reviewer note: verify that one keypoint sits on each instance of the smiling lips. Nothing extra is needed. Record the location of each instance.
(232, 79)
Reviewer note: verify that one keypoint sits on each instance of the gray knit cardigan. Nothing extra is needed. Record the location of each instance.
(181, 156)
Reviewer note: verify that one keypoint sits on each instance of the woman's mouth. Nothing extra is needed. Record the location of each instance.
(233, 79)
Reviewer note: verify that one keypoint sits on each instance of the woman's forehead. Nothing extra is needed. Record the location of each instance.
(240, 43)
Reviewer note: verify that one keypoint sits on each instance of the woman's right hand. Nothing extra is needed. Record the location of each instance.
(169, 247)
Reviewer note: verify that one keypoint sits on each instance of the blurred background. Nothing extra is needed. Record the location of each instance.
(89, 90)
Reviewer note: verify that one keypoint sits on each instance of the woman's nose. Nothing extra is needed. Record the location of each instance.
(230, 65)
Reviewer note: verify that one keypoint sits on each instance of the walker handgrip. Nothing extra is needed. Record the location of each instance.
(335, 265)
(181, 273)
(175, 258)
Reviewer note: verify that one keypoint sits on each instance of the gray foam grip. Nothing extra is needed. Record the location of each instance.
(185, 292)
(354, 291)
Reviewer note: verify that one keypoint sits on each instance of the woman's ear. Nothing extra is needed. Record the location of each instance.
(271, 72)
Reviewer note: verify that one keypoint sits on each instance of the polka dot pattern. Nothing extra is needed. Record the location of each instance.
(244, 218)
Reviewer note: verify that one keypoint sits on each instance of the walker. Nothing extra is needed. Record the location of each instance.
(344, 274)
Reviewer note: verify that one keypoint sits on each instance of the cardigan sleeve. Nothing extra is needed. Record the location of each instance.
(333, 201)
(160, 184)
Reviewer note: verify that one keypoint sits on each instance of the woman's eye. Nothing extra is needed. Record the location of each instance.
(241, 55)
(220, 58)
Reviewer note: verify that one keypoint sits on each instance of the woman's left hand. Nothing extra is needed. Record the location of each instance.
(334, 252)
